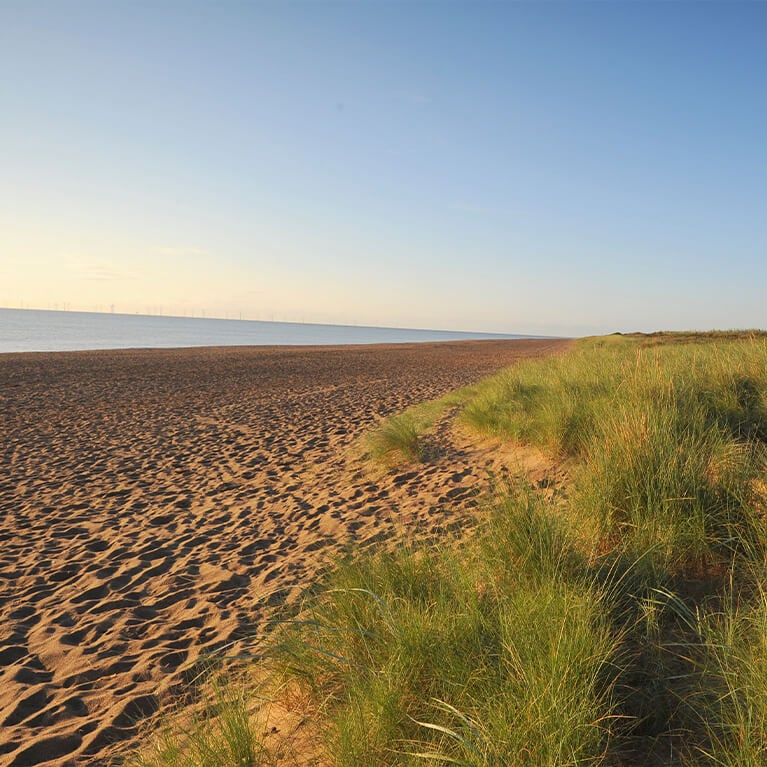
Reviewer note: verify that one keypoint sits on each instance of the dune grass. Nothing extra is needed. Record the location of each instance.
(501, 655)
(622, 622)
(401, 437)
(732, 690)
(397, 439)
(664, 442)
(221, 731)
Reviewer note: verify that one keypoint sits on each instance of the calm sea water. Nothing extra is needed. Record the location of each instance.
(29, 330)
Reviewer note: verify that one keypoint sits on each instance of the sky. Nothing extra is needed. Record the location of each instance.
(545, 168)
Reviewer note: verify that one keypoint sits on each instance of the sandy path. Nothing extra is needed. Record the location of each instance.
(154, 503)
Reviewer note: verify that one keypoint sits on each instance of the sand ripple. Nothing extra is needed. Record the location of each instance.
(153, 504)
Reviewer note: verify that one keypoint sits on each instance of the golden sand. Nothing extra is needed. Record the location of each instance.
(154, 504)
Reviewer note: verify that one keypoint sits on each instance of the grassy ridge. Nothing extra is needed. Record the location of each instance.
(664, 442)
(622, 622)
(457, 659)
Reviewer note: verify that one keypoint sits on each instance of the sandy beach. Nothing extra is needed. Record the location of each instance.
(156, 504)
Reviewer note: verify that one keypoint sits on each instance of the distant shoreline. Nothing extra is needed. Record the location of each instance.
(43, 330)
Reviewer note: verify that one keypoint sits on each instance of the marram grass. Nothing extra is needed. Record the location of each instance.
(664, 442)
(221, 731)
(422, 655)
(397, 440)
(732, 691)
(400, 438)
(623, 623)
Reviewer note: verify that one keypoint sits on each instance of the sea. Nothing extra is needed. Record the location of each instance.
(33, 330)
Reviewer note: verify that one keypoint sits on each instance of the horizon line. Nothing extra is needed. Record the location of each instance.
(284, 322)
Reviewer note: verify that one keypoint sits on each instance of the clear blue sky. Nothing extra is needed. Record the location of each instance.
(561, 168)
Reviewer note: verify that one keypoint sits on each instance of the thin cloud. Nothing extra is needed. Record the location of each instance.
(96, 270)
(180, 251)
(103, 273)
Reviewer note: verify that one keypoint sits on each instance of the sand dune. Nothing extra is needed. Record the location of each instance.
(154, 504)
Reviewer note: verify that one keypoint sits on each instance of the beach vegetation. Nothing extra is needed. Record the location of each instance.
(620, 621)
(221, 729)
(402, 437)
(397, 440)
(495, 651)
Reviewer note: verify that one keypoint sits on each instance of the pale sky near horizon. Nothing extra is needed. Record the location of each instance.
(544, 168)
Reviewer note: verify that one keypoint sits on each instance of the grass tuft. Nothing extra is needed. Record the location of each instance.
(401, 438)
(221, 731)
(397, 440)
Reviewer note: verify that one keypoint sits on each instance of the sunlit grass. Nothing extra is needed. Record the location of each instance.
(503, 653)
(621, 621)
(665, 441)
(221, 730)
(731, 701)
(400, 438)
